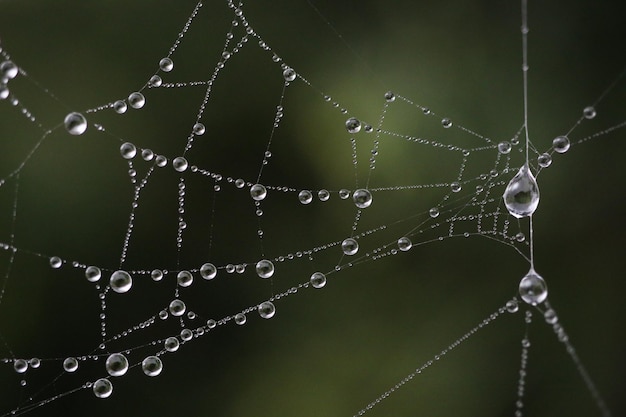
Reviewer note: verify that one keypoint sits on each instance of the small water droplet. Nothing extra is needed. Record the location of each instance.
(199, 129)
(544, 160)
(318, 280)
(350, 246)
(180, 164)
(172, 344)
(521, 196)
(362, 198)
(404, 244)
(512, 306)
(70, 364)
(75, 123)
(455, 187)
(8, 70)
(128, 150)
(56, 262)
(20, 366)
(93, 273)
(305, 196)
(267, 310)
(156, 275)
(166, 64)
(240, 319)
(589, 112)
(504, 147)
(353, 125)
(390, 97)
(433, 212)
(184, 278)
(446, 123)
(265, 268)
(120, 107)
(121, 281)
(136, 100)
(152, 366)
(155, 81)
(344, 194)
(323, 195)
(532, 288)
(258, 192)
(560, 144)
(289, 74)
(208, 271)
(102, 388)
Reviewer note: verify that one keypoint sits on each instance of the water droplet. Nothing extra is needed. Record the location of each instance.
(512, 306)
(520, 237)
(318, 280)
(70, 364)
(177, 307)
(116, 364)
(4, 91)
(344, 194)
(267, 310)
(171, 344)
(180, 164)
(323, 195)
(34, 363)
(544, 160)
(289, 74)
(156, 275)
(305, 196)
(160, 161)
(446, 123)
(521, 196)
(504, 147)
(208, 271)
(240, 318)
(390, 97)
(20, 366)
(75, 123)
(186, 335)
(93, 273)
(589, 112)
(560, 144)
(264, 268)
(211, 323)
(353, 125)
(56, 262)
(102, 388)
(152, 366)
(147, 155)
(350, 246)
(230, 268)
(258, 192)
(184, 278)
(136, 100)
(166, 64)
(120, 107)
(433, 212)
(8, 70)
(362, 198)
(404, 244)
(199, 129)
(456, 187)
(550, 316)
(128, 150)
(120, 281)
(155, 81)
(532, 288)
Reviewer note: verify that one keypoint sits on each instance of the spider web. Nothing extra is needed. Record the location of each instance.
(384, 312)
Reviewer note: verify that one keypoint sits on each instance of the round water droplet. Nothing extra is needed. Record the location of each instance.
(544, 160)
(433, 212)
(102, 388)
(350, 246)
(155, 81)
(20, 366)
(520, 237)
(267, 310)
(177, 307)
(240, 318)
(208, 271)
(455, 187)
(128, 150)
(344, 194)
(4, 91)
(362, 198)
(589, 112)
(504, 147)
(318, 280)
(56, 262)
(156, 275)
(258, 192)
(8, 70)
(446, 123)
(265, 268)
(180, 164)
(560, 144)
(532, 288)
(75, 123)
(120, 107)
(550, 316)
(184, 278)
(136, 100)
(152, 366)
(116, 364)
(34, 363)
(305, 196)
(289, 74)
(93, 273)
(171, 344)
(166, 64)
(390, 97)
(512, 306)
(323, 195)
(404, 244)
(521, 196)
(353, 125)
(199, 129)
(121, 281)
(160, 161)
(70, 364)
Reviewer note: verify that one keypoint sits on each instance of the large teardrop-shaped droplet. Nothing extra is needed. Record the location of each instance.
(521, 196)
(532, 288)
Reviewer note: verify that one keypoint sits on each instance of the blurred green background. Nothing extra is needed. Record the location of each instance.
(327, 352)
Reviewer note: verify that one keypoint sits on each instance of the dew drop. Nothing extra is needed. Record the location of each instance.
(120, 107)
(177, 307)
(532, 288)
(20, 366)
(544, 160)
(147, 155)
(456, 187)
(289, 74)
(560, 144)
(433, 212)
(446, 123)
(155, 81)
(344, 194)
(166, 64)
(404, 244)
(521, 196)
(264, 268)
(116, 364)
(136, 100)
(504, 147)
(180, 164)
(152, 366)
(70, 364)
(120, 281)
(362, 198)
(350, 246)
(128, 150)
(156, 275)
(512, 306)
(390, 97)
(550, 316)
(267, 310)
(520, 237)
(199, 129)
(93, 273)
(240, 319)
(75, 123)
(318, 280)
(171, 344)
(323, 195)
(160, 161)
(8, 70)
(589, 112)
(208, 271)
(4, 91)
(184, 278)
(56, 262)
(102, 388)
(258, 192)
(305, 196)
(353, 125)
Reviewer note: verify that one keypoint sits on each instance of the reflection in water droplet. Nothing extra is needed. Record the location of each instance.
(532, 288)
(521, 196)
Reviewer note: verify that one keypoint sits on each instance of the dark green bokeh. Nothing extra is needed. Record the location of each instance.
(329, 352)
